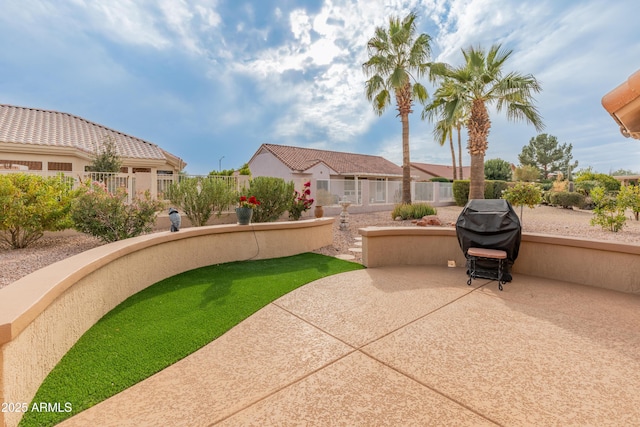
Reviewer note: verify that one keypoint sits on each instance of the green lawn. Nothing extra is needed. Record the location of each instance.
(166, 322)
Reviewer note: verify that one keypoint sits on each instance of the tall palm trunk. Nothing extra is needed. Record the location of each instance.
(406, 161)
(453, 156)
(404, 100)
(479, 125)
(460, 152)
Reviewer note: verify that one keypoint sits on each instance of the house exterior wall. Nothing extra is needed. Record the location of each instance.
(266, 164)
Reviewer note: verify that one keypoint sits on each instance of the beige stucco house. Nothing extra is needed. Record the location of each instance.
(369, 182)
(50, 142)
(427, 171)
(359, 178)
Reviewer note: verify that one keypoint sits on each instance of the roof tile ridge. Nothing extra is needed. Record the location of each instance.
(81, 119)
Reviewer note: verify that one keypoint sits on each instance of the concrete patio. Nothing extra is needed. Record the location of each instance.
(404, 346)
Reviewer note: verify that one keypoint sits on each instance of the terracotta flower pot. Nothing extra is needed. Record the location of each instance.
(318, 211)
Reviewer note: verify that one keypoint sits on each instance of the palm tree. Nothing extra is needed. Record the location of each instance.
(478, 83)
(396, 60)
(446, 97)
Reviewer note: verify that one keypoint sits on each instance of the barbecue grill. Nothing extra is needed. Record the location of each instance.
(489, 228)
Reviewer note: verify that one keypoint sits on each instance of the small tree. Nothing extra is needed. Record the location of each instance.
(497, 169)
(31, 205)
(544, 153)
(629, 195)
(108, 217)
(526, 173)
(523, 194)
(200, 197)
(106, 158)
(609, 211)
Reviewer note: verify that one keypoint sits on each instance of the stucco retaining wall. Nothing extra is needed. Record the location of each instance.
(603, 264)
(43, 314)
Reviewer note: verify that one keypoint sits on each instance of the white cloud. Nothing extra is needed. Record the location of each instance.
(326, 53)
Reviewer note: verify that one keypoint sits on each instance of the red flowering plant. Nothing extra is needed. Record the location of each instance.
(249, 202)
(301, 202)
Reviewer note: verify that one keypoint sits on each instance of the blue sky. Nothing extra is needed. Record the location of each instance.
(211, 80)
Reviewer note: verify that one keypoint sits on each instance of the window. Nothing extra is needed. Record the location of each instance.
(59, 166)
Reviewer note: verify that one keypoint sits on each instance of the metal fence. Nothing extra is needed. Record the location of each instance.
(367, 192)
(132, 183)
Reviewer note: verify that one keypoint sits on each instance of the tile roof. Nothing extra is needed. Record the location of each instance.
(443, 171)
(31, 126)
(301, 159)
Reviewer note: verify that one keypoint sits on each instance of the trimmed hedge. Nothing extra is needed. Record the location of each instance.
(566, 199)
(492, 190)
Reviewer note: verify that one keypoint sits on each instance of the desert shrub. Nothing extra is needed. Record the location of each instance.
(31, 205)
(412, 211)
(608, 211)
(108, 217)
(497, 169)
(418, 210)
(527, 173)
(608, 182)
(275, 196)
(324, 198)
(566, 199)
(461, 191)
(629, 196)
(200, 197)
(585, 186)
(546, 184)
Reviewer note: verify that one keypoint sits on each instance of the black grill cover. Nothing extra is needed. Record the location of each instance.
(489, 224)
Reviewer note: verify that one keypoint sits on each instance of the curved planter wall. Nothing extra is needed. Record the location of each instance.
(43, 314)
(589, 262)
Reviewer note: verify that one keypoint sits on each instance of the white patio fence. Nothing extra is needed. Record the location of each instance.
(370, 192)
(134, 183)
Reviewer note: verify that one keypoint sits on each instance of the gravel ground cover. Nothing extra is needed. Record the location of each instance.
(15, 264)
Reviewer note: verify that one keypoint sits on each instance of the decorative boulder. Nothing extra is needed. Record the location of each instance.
(429, 220)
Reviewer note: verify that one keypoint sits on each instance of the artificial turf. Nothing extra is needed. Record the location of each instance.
(166, 322)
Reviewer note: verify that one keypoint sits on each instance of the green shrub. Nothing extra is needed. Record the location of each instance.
(31, 205)
(546, 184)
(497, 169)
(566, 199)
(439, 179)
(493, 188)
(412, 211)
(275, 196)
(461, 191)
(418, 210)
(585, 186)
(200, 197)
(108, 217)
(608, 182)
(630, 197)
(609, 211)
